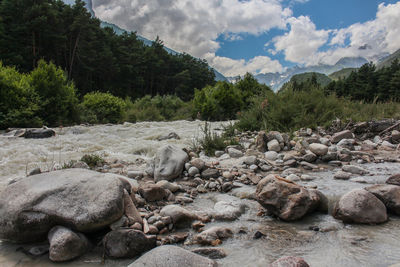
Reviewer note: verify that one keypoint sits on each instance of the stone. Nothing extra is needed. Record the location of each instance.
(39, 133)
(83, 200)
(198, 163)
(131, 212)
(228, 211)
(289, 262)
(389, 195)
(234, 153)
(360, 206)
(325, 141)
(394, 179)
(169, 163)
(209, 236)
(395, 137)
(172, 256)
(219, 153)
(367, 145)
(210, 173)
(66, 244)
(271, 155)
(193, 171)
(273, 145)
(171, 135)
(286, 200)
(354, 169)
(318, 149)
(261, 142)
(135, 174)
(180, 216)
(309, 157)
(127, 243)
(293, 177)
(80, 165)
(251, 160)
(342, 135)
(308, 166)
(340, 175)
(152, 192)
(211, 253)
(173, 187)
(226, 187)
(35, 171)
(347, 143)
(122, 222)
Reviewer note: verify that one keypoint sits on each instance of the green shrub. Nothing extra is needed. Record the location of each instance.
(102, 108)
(93, 160)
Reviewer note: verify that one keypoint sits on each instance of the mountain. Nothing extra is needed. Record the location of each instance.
(276, 80)
(387, 61)
(342, 74)
(322, 79)
(118, 30)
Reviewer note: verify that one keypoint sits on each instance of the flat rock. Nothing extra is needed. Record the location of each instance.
(83, 200)
(179, 215)
(210, 173)
(172, 256)
(228, 211)
(341, 175)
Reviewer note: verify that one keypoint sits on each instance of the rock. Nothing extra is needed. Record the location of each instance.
(173, 187)
(35, 171)
(228, 211)
(122, 222)
(360, 206)
(84, 200)
(226, 187)
(308, 166)
(325, 141)
(127, 243)
(271, 155)
(172, 256)
(394, 179)
(286, 200)
(261, 142)
(171, 135)
(152, 192)
(210, 173)
(289, 262)
(367, 145)
(389, 195)
(179, 215)
(39, 133)
(198, 163)
(251, 160)
(211, 235)
(309, 157)
(318, 149)
(347, 143)
(80, 165)
(354, 169)
(212, 253)
(169, 163)
(342, 135)
(395, 137)
(193, 171)
(65, 244)
(131, 212)
(293, 177)
(135, 174)
(273, 145)
(234, 153)
(219, 153)
(340, 175)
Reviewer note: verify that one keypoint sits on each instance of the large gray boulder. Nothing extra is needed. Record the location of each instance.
(318, 149)
(65, 244)
(285, 199)
(83, 200)
(388, 194)
(360, 206)
(172, 256)
(169, 163)
(127, 243)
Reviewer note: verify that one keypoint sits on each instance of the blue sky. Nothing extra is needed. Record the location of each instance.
(259, 36)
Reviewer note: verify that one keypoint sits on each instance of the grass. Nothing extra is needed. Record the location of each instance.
(93, 160)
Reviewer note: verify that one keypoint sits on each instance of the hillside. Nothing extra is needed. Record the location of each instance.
(342, 74)
(387, 61)
(302, 78)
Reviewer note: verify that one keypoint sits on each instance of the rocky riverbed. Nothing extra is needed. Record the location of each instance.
(250, 205)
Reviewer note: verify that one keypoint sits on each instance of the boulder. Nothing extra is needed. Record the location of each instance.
(83, 200)
(127, 243)
(172, 256)
(261, 142)
(318, 149)
(171, 135)
(65, 244)
(394, 179)
(152, 192)
(360, 206)
(273, 145)
(354, 169)
(39, 133)
(169, 163)
(289, 262)
(389, 195)
(285, 199)
(211, 235)
(342, 135)
(179, 215)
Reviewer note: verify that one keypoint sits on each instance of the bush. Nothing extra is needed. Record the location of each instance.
(102, 108)
(93, 160)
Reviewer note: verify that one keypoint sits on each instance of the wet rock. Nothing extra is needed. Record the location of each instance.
(360, 206)
(341, 135)
(234, 153)
(65, 244)
(394, 179)
(273, 145)
(210, 173)
(211, 235)
(173, 187)
(152, 192)
(38, 250)
(84, 200)
(286, 200)
(172, 256)
(39, 133)
(171, 135)
(127, 243)
(309, 157)
(258, 235)
(212, 253)
(354, 169)
(340, 175)
(228, 211)
(169, 163)
(318, 149)
(198, 163)
(179, 215)
(193, 171)
(289, 262)
(389, 195)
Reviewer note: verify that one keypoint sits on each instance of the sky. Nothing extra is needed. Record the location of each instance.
(261, 36)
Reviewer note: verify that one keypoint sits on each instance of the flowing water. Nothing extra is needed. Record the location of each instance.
(335, 244)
